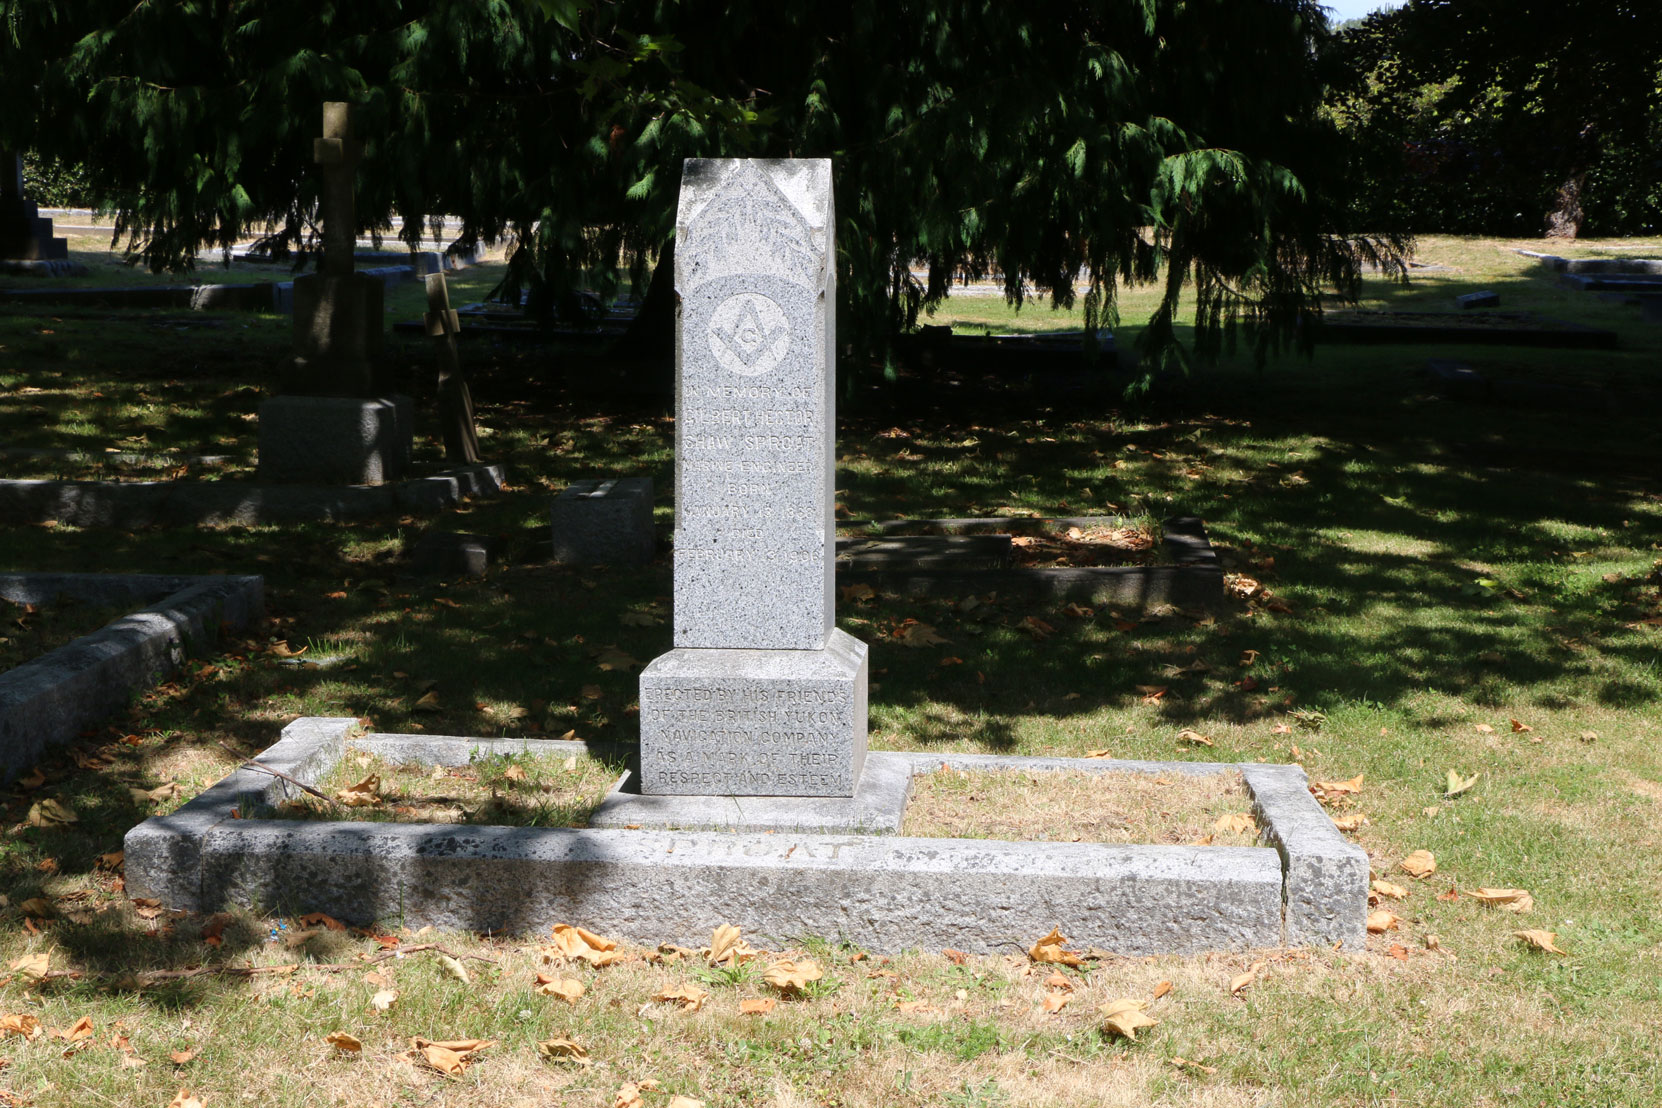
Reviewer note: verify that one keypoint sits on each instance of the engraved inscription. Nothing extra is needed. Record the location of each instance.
(748, 334)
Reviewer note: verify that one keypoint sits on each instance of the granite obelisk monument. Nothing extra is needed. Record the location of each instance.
(762, 695)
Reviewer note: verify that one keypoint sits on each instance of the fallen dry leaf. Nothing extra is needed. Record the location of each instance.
(913, 1007)
(1327, 791)
(628, 1096)
(1421, 863)
(160, 794)
(1236, 823)
(1353, 822)
(384, 1000)
(20, 1024)
(51, 813)
(1457, 784)
(789, 976)
(427, 702)
(450, 1057)
(363, 794)
(1055, 1001)
(455, 969)
(33, 967)
(185, 1099)
(1182, 1063)
(1540, 940)
(574, 943)
(1189, 735)
(80, 1029)
(724, 944)
(756, 1005)
(322, 919)
(1242, 980)
(690, 997)
(1162, 989)
(568, 989)
(1099, 753)
(914, 634)
(1049, 951)
(1518, 727)
(564, 1050)
(1483, 729)
(1382, 921)
(1124, 1017)
(1388, 888)
(1037, 628)
(180, 1057)
(1513, 900)
(684, 1102)
(346, 1044)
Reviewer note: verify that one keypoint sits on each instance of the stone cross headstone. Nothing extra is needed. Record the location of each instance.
(338, 152)
(330, 426)
(338, 320)
(762, 695)
(461, 439)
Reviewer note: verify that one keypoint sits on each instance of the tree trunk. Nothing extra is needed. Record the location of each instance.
(651, 335)
(1564, 221)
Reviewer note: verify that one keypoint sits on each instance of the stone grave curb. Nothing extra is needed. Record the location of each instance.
(50, 700)
(1558, 333)
(882, 892)
(1195, 579)
(128, 504)
(254, 296)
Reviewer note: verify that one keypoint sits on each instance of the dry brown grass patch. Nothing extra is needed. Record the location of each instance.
(519, 790)
(1080, 807)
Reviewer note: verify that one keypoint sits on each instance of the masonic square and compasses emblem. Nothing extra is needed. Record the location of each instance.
(749, 334)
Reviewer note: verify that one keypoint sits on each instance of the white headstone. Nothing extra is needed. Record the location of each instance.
(755, 412)
(762, 695)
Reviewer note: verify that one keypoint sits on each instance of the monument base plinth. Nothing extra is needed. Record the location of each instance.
(335, 440)
(755, 722)
(876, 808)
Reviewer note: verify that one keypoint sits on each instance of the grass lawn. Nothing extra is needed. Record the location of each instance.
(1474, 588)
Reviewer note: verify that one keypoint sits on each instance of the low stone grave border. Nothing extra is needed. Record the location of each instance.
(1307, 886)
(129, 504)
(1616, 266)
(52, 699)
(1193, 579)
(1531, 330)
(252, 296)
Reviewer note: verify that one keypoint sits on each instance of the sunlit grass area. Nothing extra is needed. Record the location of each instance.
(1418, 586)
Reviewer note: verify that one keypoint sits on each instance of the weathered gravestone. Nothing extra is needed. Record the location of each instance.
(762, 695)
(25, 235)
(461, 439)
(329, 425)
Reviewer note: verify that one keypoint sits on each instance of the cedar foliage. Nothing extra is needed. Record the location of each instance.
(1474, 116)
(1070, 147)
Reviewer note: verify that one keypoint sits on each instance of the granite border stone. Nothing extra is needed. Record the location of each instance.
(884, 892)
(1194, 577)
(128, 504)
(48, 701)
